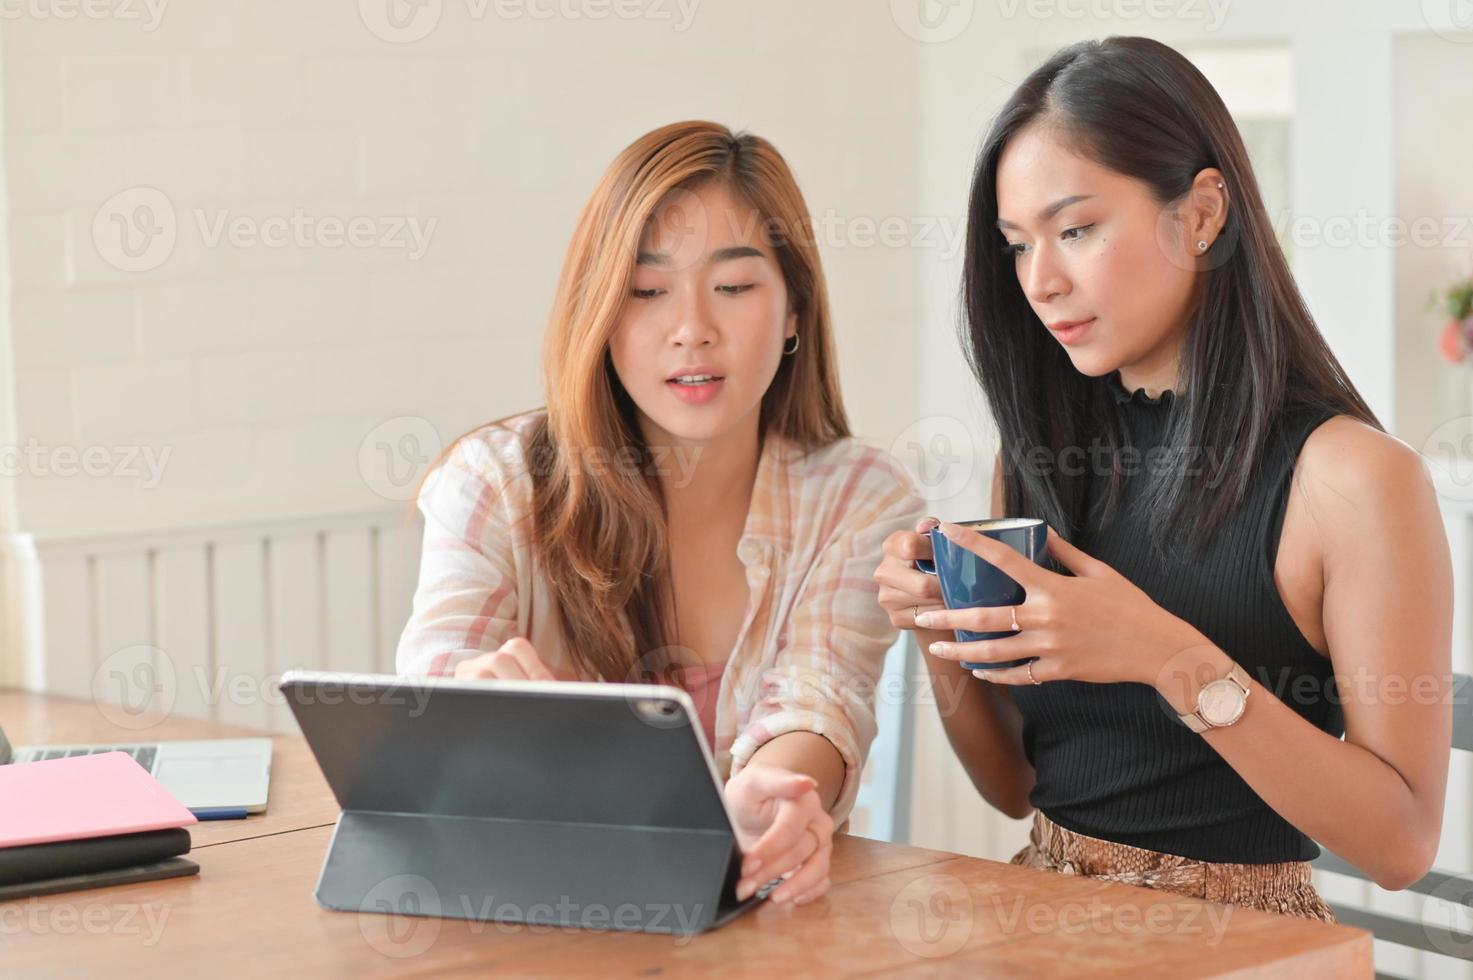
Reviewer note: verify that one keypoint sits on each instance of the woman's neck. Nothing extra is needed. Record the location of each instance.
(713, 479)
(1157, 370)
(1155, 374)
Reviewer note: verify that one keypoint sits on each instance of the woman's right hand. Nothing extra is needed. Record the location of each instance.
(515, 660)
(904, 589)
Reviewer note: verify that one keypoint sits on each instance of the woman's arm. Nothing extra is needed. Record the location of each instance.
(985, 731)
(813, 717)
(1376, 799)
(809, 754)
(465, 603)
(981, 722)
(823, 678)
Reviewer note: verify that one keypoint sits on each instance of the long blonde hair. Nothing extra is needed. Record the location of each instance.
(602, 539)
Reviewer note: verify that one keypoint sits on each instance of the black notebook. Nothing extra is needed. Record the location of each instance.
(89, 855)
(168, 868)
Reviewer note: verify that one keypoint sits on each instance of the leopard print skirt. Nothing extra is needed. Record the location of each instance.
(1285, 888)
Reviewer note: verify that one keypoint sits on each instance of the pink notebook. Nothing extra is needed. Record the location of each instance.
(84, 796)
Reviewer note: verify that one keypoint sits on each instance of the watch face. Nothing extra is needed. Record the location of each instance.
(1220, 702)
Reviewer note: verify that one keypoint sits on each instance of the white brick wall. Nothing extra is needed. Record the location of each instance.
(262, 368)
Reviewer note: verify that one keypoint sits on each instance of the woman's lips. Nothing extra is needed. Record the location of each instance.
(696, 394)
(1075, 333)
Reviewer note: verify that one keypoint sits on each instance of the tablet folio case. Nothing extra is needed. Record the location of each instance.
(519, 805)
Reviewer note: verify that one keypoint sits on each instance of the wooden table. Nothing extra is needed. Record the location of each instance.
(892, 910)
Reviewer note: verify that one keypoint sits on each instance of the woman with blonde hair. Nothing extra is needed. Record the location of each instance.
(689, 507)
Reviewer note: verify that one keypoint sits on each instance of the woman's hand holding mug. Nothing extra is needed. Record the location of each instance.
(904, 589)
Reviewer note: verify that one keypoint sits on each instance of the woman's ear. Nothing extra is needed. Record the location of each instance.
(1206, 210)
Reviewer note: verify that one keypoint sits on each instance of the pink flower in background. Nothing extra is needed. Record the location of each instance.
(1454, 342)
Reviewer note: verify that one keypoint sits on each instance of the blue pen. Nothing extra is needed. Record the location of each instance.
(220, 813)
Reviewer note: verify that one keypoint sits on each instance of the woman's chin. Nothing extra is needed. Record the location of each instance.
(1093, 363)
(692, 425)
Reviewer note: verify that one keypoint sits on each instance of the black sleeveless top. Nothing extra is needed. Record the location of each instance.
(1113, 761)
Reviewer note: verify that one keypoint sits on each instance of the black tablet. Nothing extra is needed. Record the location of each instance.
(579, 804)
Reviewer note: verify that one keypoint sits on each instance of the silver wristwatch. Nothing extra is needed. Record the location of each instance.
(1219, 703)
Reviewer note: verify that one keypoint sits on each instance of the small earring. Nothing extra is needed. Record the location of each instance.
(1202, 246)
(1219, 185)
(794, 349)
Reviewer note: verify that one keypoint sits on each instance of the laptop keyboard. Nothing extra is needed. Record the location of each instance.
(142, 754)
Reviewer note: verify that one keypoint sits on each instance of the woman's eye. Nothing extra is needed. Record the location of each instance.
(734, 290)
(644, 293)
(1074, 234)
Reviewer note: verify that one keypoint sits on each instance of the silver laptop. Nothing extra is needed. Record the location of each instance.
(209, 774)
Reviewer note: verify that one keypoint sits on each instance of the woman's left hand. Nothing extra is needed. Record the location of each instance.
(1095, 625)
(783, 829)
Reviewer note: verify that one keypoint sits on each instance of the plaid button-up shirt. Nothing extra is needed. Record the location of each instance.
(813, 641)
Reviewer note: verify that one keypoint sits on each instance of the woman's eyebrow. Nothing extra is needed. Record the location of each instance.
(720, 255)
(734, 252)
(1051, 210)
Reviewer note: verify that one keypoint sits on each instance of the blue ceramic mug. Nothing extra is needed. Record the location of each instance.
(968, 581)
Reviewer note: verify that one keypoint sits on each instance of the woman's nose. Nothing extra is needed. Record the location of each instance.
(1044, 279)
(695, 327)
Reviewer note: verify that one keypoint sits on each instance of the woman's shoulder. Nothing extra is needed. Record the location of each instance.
(500, 449)
(1349, 469)
(1342, 447)
(493, 462)
(1366, 499)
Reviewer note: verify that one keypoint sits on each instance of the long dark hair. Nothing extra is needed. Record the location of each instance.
(1251, 351)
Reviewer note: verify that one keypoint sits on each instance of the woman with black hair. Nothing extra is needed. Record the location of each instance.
(1248, 565)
